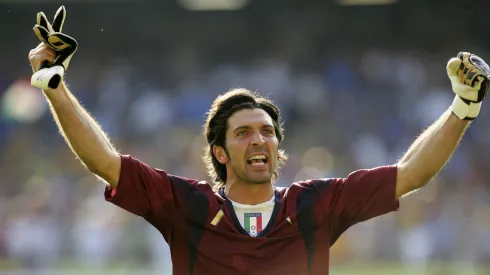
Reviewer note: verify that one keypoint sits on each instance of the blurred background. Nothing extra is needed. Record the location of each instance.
(356, 80)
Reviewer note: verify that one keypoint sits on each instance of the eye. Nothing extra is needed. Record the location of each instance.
(268, 131)
(241, 133)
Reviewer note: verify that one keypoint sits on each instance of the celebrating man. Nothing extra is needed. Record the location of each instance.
(240, 223)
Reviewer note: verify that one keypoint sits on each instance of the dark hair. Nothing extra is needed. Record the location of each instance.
(217, 124)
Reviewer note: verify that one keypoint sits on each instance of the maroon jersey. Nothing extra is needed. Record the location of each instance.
(205, 236)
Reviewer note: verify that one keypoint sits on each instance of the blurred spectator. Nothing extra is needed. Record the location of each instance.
(355, 85)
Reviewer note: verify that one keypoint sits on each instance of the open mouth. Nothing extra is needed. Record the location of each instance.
(258, 160)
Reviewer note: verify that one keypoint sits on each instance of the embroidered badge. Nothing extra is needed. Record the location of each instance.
(253, 223)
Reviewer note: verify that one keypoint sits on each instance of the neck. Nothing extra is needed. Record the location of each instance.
(248, 193)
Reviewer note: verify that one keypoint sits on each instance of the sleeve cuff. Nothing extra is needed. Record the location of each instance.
(110, 192)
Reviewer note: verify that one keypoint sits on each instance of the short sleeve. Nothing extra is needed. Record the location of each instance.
(142, 190)
(363, 195)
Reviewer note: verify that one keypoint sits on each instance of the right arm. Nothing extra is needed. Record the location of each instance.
(133, 185)
(83, 135)
(81, 132)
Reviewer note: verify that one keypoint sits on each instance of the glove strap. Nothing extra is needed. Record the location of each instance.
(464, 109)
(48, 78)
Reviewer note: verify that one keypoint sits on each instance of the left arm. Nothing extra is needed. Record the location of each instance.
(469, 76)
(429, 153)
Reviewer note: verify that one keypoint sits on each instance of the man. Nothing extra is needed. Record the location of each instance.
(245, 225)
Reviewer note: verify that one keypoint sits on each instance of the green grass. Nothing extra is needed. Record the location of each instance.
(378, 268)
(392, 269)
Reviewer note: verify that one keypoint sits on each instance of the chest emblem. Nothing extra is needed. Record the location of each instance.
(253, 223)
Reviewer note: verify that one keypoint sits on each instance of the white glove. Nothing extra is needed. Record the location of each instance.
(469, 76)
(50, 76)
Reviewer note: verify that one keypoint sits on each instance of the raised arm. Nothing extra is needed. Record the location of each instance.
(434, 147)
(429, 153)
(81, 132)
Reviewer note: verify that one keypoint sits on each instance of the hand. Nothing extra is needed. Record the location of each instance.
(469, 76)
(42, 54)
(50, 72)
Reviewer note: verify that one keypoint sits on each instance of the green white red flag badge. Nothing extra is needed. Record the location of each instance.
(253, 223)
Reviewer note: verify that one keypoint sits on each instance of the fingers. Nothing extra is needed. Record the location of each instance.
(59, 19)
(43, 21)
(453, 66)
(478, 81)
(60, 41)
(464, 55)
(467, 68)
(43, 34)
(469, 73)
(41, 54)
(480, 64)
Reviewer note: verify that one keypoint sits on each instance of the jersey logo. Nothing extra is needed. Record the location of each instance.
(253, 223)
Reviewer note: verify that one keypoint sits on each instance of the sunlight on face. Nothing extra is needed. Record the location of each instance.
(250, 134)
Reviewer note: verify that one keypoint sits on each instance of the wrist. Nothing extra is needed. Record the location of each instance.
(465, 109)
(48, 78)
(58, 94)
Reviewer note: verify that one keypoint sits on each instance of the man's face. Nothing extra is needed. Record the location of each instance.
(252, 146)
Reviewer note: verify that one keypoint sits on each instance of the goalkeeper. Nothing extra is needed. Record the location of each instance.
(247, 225)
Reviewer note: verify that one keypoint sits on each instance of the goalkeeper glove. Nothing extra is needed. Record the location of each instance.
(469, 76)
(50, 76)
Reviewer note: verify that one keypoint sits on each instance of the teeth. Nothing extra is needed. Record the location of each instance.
(257, 157)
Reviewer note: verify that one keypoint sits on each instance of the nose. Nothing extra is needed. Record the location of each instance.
(258, 139)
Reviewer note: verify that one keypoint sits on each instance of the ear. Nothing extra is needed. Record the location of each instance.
(220, 154)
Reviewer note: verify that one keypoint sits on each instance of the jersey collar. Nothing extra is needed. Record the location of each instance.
(236, 222)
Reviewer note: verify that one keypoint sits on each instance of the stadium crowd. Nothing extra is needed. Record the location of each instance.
(353, 95)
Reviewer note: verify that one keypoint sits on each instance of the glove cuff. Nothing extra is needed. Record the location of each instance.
(464, 109)
(48, 78)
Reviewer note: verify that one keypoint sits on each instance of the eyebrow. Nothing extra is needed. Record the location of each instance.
(245, 127)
